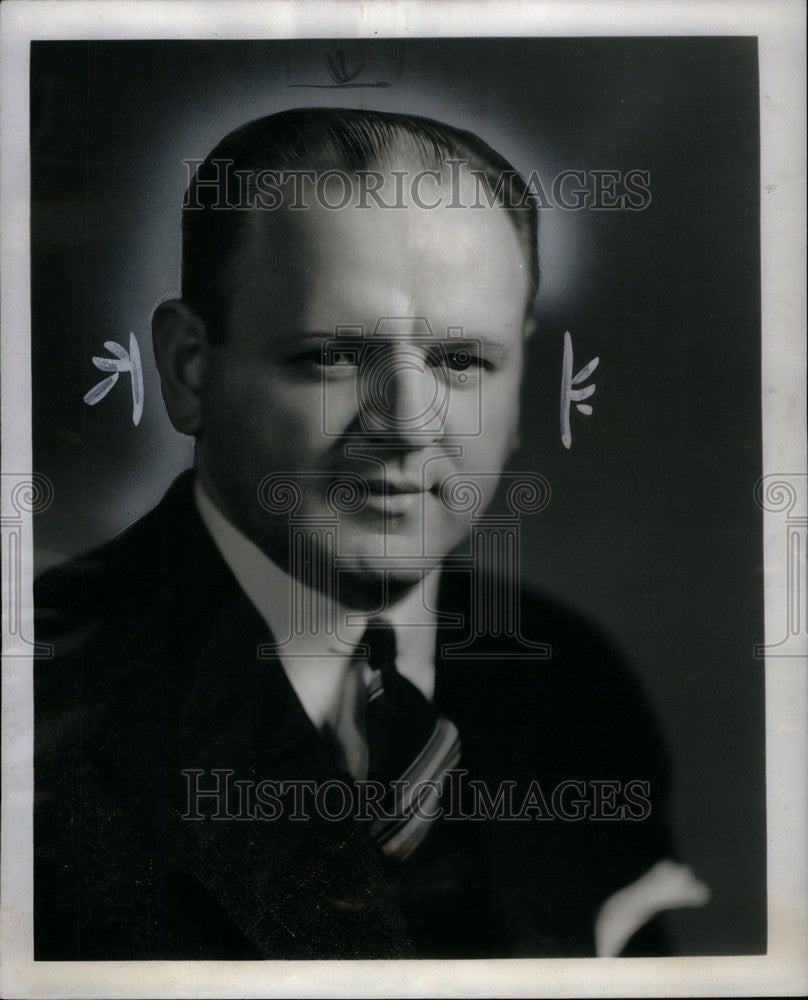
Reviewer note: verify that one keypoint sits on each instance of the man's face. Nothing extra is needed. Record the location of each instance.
(393, 405)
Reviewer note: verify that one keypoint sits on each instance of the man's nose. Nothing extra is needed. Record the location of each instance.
(403, 395)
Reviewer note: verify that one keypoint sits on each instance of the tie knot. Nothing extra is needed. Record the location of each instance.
(381, 642)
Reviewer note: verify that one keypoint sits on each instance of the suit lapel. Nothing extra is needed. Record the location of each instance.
(297, 889)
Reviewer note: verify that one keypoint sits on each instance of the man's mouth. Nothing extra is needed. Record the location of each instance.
(396, 496)
(395, 486)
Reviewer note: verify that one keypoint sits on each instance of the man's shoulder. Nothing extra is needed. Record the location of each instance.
(581, 662)
(534, 631)
(112, 579)
(113, 618)
(549, 679)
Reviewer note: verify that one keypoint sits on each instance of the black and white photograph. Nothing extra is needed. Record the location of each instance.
(403, 501)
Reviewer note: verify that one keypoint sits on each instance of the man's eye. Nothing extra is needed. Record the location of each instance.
(340, 358)
(330, 358)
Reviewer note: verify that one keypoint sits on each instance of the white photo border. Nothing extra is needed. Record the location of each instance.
(779, 26)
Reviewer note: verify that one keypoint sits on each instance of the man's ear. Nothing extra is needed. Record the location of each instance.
(180, 349)
(530, 327)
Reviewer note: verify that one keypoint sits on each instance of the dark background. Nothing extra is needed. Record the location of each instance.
(652, 529)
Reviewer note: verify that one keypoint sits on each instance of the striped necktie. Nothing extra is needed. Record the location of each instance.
(408, 743)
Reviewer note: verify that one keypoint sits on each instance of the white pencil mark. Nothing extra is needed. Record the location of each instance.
(124, 361)
(569, 394)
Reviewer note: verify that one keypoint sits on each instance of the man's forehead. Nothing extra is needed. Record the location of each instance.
(397, 251)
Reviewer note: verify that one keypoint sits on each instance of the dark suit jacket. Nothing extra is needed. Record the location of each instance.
(155, 670)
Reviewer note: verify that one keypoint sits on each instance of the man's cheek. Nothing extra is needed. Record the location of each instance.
(269, 415)
(485, 455)
(308, 408)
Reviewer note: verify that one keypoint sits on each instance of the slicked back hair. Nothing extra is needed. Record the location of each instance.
(319, 140)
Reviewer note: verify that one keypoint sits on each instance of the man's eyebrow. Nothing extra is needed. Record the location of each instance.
(300, 336)
(486, 342)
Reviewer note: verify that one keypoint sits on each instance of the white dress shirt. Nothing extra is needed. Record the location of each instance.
(319, 662)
